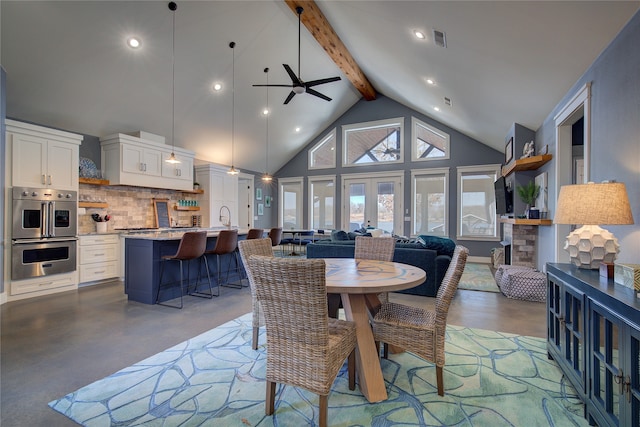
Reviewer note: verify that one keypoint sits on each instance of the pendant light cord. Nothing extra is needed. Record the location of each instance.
(266, 160)
(232, 45)
(173, 83)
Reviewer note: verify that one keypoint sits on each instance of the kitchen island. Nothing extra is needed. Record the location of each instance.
(143, 252)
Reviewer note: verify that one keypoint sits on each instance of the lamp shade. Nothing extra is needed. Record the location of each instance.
(593, 204)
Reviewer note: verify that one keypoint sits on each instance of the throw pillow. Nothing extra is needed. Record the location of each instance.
(442, 245)
(337, 235)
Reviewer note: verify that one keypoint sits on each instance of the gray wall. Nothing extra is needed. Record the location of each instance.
(464, 151)
(615, 135)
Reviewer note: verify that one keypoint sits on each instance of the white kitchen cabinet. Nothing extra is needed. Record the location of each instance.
(140, 160)
(43, 157)
(130, 160)
(220, 189)
(99, 257)
(43, 285)
(182, 170)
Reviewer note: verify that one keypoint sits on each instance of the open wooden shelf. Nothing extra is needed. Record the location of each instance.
(94, 181)
(187, 208)
(525, 221)
(199, 191)
(528, 164)
(92, 205)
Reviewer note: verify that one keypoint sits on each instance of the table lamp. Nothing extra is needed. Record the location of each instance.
(592, 205)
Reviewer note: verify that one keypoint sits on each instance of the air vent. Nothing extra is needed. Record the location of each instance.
(447, 101)
(439, 38)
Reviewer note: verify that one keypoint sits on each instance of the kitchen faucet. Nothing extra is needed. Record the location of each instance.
(228, 223)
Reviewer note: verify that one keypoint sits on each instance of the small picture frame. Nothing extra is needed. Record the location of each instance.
(508, 151)
(260, 209)
(267, 201)
(259, 194)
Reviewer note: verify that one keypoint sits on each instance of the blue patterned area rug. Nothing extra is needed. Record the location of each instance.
(478, 277)
(216, 379)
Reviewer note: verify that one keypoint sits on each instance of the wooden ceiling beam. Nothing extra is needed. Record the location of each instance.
(317, 24)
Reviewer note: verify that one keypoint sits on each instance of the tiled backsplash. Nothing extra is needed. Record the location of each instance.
(130, 207)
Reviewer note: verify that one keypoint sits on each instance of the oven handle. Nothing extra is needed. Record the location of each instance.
(44, 225)
(32, 241)
(52, 213)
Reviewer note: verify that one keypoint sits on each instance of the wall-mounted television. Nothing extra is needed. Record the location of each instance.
(504, 197)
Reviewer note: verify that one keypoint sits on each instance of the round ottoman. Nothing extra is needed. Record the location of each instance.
(524, 283)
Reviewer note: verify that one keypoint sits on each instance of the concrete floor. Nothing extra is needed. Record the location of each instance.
(53, 345)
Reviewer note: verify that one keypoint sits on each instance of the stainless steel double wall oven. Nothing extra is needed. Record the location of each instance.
(45, 232)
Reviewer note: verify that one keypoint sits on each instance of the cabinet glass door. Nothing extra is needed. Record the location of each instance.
(633, 387)
(573, 331)
(608, 377)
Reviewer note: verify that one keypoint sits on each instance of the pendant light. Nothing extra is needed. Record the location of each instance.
(233, 170)
(266, 177)
(172, 158)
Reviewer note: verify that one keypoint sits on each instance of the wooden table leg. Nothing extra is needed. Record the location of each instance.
(368, 367)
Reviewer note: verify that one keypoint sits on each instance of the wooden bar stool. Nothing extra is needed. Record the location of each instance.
(192, 246)
(226, 244)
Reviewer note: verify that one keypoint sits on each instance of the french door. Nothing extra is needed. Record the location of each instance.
(372, 202)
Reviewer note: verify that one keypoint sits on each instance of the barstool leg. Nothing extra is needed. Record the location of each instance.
(160, 286)
(227, 284)
(197, 293)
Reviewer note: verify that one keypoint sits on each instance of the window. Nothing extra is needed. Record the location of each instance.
(322, 194)
(373, 142)
(290, 203)
(430, 202)
(323, 154)
(476, 202)
(427, 142)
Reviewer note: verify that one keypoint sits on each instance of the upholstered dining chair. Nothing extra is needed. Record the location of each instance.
(226, 244)
(247, 248)
(421, 331)
(192, 246)
(305, 347)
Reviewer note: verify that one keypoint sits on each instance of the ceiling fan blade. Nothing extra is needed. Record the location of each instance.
(322, 81)
(272, 85)
(291, 95)
(318, 94)
(296, 81)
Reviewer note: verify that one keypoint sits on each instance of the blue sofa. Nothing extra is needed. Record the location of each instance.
(430, 260)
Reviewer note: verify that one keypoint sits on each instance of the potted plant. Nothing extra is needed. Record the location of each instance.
(528, 194)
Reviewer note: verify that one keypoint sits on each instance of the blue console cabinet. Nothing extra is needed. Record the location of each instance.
(593, 333)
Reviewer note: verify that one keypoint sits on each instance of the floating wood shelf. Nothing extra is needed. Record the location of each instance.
(199, 191)
(187, 208)
(92, 205)
(528, 164)
(524, 221)
(94, 181)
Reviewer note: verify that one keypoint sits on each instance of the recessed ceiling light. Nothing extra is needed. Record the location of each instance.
(436, 108)
(419, 34)
(134, 42)
(216, 87)
(265, 112)
(297, 129)
(431, 82)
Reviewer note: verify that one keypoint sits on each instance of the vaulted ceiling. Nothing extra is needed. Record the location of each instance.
(68, 66)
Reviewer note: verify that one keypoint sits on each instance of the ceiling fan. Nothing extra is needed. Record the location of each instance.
(299, 86)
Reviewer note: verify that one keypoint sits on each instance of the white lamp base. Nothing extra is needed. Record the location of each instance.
(590, 245)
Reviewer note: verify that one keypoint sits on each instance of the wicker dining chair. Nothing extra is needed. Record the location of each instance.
(421, 331)
(376, 248)
(305, 347)
(247, 248)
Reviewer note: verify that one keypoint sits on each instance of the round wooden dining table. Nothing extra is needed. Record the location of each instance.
(359, 281)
